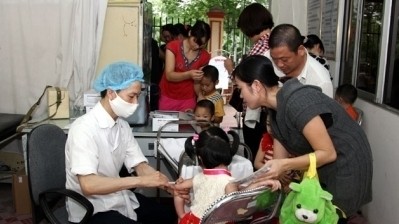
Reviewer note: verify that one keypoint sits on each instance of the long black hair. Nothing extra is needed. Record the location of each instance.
(212, 147)
(199, 30)
(311, 40)
(256, 67)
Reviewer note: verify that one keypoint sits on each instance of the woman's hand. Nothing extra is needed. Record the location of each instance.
(196, 75)
(274, 172)
(274, 185)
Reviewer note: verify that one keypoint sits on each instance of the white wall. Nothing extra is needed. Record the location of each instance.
(290, 11)
(381, 127)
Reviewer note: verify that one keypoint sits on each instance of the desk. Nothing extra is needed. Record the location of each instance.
(8, 127)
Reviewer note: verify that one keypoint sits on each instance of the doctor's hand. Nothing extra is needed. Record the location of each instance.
(155, 179)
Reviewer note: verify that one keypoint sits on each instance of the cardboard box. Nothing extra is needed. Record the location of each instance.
(20, 193)
(15, 161)
(90, 98)
(87, 109)
(160, 118)
(54, 95)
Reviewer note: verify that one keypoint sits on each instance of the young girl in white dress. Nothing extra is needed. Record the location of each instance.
(214, 152)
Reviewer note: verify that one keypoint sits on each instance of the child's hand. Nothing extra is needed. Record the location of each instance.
(170, 188)
(180, 191)
(273, 184)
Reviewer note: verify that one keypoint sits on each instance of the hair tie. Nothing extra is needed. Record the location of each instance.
(305, 39)
(226, 129)
(195, 138)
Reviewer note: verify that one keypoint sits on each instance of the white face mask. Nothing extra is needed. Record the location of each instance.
(122, 108)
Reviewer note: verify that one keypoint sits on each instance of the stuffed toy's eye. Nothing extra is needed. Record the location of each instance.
(298, 206)
(315, 211)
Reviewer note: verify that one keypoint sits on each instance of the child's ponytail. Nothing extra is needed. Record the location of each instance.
(189, 148)
(235, 143)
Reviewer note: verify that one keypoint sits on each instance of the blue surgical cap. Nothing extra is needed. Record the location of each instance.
(117, 76)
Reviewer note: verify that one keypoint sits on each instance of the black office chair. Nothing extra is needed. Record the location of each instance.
(46, 171)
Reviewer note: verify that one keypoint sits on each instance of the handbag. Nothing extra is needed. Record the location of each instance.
(236, 101)
(28, 116)
(308, 202)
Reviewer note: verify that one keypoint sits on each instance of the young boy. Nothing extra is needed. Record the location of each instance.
(208, 91)
(204, 111)
(346, 95)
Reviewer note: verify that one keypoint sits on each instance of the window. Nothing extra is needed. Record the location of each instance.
(391, 88)
(349, 41)
(369, 49)
(364, 35)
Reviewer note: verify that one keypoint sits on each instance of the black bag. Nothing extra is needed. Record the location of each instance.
(236, 101)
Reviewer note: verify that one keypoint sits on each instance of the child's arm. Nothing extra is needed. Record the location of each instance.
(218, 120)
(178, 200)
(219, 111)
(179, 206)
(230, 187)
(197, 89)
(260, 158)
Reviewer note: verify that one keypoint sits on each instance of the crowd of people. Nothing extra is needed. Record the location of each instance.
(289, 112)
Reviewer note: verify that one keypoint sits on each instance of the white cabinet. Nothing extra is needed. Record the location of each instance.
(127, 34)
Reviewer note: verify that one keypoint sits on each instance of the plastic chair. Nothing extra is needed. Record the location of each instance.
(245, 151)
(46, 171)
(241, 206)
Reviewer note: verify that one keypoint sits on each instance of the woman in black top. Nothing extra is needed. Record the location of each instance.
(304, 120)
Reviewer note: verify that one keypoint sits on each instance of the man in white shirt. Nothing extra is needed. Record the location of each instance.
(290, 58)
(100, 143)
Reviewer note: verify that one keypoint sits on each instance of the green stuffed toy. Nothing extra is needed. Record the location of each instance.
(266, 199)
(308, 202)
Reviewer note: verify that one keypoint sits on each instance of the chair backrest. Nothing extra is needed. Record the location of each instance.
(239, 206)
(46, 159)
(360, 116)
(245, 151)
